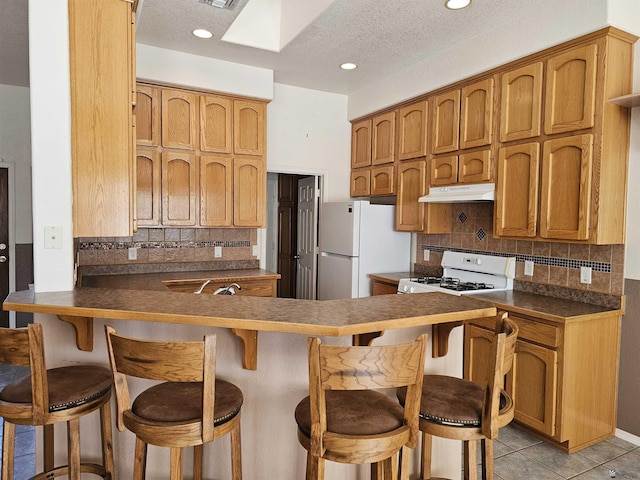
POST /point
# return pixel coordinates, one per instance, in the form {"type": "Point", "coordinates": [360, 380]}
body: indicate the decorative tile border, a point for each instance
{"type": "Point", "coordinates": [549, 261]}
{"type": "Point", "coordinates": [182, 244]}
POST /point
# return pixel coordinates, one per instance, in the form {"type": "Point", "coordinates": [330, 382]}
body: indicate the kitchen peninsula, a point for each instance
{"type": "Point", "coordinates": [271, 394]}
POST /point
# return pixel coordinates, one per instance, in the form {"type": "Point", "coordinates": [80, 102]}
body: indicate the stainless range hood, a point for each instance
{"type": "Point", "coordinates": [460, 193]}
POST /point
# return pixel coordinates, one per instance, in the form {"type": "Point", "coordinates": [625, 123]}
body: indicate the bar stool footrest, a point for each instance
{"type": "Point", "coordinates": [92, 468]}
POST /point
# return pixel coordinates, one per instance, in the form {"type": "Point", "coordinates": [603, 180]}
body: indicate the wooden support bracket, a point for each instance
{"type": "Point", "coordinates": [249, 347]}
{"type": "Point", "coordinates": [365, 339]}
{"type": "Point", "coordinates": [440, 338]}
{"type": "Point", "coordinates": [84, 331]}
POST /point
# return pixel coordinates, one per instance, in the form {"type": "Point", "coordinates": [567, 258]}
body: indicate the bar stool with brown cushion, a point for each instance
{"type": "Point", "coordinates": [463, 410]}
{"type": "Point", "coordinates": [344, 419]}
{"type": "Point", "coordinates": [189, 408]}
{"type": "Point", "coordinates": [46, 397]}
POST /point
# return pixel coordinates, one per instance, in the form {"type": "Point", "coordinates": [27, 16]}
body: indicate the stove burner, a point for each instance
{"type": "Point", "coordinates": [454, 284]}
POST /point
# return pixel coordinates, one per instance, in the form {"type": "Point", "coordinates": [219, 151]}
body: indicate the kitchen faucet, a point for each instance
{"type": "Point", "coordinates": [199, 291]}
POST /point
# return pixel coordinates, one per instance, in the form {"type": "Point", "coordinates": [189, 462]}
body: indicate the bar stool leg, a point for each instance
{"type": "Point", "coordinates": [471, 460]}
{"type": "Point", "coordinates": [377, 471]}
{"type": "Point", "coordinates": [197, 462]}
{"type": "Point", "coordinates": [425, 463]}
{"type": "Point", "coordinates": [236, 453]}
{"type": "Point", "coordinates": [176, 463]}
{"type": "Point", "coordinates": [8, 450]}
{"type": "Point", "coordinates": [405, 454]}
{"type": "Point", "coordinates": [140, 460]}
{"type": "Point", "coordinates": [487, 459]}
{"type": "Point", "coordinates": [107, 440]}
{"type": "Point", "coordinates": [49, 447]}
{"type": "Point", "coordinates": [73, 446]}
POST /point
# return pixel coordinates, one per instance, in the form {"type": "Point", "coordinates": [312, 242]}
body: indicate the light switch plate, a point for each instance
{"type": "Point", "coordinates": [528, 268]}
{"type": "Point", "coordinates": [217, 252]}
{"type": "Point", "coordinates": [52, 236]}
{"type": "Point", "coordinates": [256, 251]}
{"type": "Point", "coordinates": [425, 255]}
{"type": "Point", "coordinates": [585, 275]}
{"type": "Point", "coordinates": [133, 253]}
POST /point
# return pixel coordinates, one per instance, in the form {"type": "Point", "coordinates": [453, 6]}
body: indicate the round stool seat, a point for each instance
{"type": "Point", "coordinates": [182, 402]}
{"type": "Point", "coordinates": [69, 387]}
{"type": "Point", "coordinates": [354, 412]}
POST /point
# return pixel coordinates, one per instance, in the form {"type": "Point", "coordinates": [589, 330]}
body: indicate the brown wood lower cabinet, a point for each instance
{"type": "Point", "coordinates": [565, 376]}
{"type": "Point", "coordinates": [384, 288]}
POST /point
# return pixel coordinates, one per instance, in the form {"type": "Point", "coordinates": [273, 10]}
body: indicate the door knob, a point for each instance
{"type": "Point", "coordinates": [3, 246]}
{"type": "Point", "coordinates": [3, 259]}
{"type": "Point", "coordinates": [296, 257]}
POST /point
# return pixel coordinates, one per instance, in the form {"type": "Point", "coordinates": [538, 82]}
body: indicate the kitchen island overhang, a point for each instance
{"type": "Point", "coordinates": [246, 315]}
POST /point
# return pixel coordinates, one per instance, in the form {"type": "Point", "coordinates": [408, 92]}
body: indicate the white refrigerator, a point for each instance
{"type": "Point", "coordinates": [356, 239]}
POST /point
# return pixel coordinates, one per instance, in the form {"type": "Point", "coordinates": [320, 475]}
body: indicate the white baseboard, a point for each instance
{"type": "Point", "coordinates": [629, 437]}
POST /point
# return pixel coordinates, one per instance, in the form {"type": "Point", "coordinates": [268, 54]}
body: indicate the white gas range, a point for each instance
{"type": "Point", "coordinates": [465, 274]}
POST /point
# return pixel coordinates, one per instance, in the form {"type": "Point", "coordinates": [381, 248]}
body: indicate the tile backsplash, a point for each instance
{"type": "Point", "coordinates": [169, 248]}
{"type": "Point", "coordinates": [555, 264]}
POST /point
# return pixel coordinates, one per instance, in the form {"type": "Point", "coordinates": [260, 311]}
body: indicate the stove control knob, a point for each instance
{"type": "Point", "coordinates": [412, 290]}
{"type": "Point", "coordinates": [405, 288]}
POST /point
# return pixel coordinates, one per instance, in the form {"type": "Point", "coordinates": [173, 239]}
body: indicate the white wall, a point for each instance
{"type": "Point", "coordinates": [15, 148]}
{"type": "Point", "coordinates": [50, 141]}
{"type": "Point", "coordinates": [308, 132]}
{"type": "Point", "coordinates": [542, 24]}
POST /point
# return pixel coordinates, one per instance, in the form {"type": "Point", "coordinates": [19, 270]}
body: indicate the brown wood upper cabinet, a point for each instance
{"type": "Point", "coordinates": [216, 191]}
{"type": "Point", "coordinates": [361, 144]}
{"type": "Point", "coordinates": [147, 115]}
{"type": "Point", "coordinates": [571, 90]}
{"type": "Point", "coordinates": [179, 119]}
{"type": "Point", "coordinates": [179, 188]}
{"type": "Point", "coordinates": [521, 104]}
{"type": "Point", "coordinates": [473, 167]}
{"type": "Point", "coordinates": [248, 127]}
{"type": "Point", "coordinates": [412, 131]}
{"type": "Point", "coordinates": [249, 191]}
{"type": "Point", "coordinates": [102, 59]}
{"type": "Point", "coordinates": [383, 147]}
{"type": "Point", "coordinates": [216, 123]}
{"type": "Point", "coordinates": [463, 118]}
{"type": "Point", "coordinates": [148, 186]}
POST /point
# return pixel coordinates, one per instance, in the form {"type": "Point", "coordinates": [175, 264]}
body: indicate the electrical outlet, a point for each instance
{"type": "Point", "coordinates": [256, 251]}
{"type": "Point", "coordinates": [528, 268]}
{"type": "Point", "coordinates": [133, 253]}
{"type": "Point", "coordinates": [52, 237]}
{"type": "Point", "coordinates": [585, 275]}
{"type": "Point", "coordinates": [425, 255]}
{"type": "Point", "coordinates": [217, 252]}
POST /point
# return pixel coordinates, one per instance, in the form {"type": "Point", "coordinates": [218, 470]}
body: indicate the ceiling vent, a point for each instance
{"type": "Point", "coordinates": [228, 4]}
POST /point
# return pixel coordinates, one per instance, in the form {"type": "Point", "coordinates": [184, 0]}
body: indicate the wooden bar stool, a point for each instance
{"type": "Point", "coordinates": [46, 397]}
{"type": "Point", "coordinates": [344, 419]}
{"type": "Point", "coordinates": [463, 410]}
{"type": "Point", "coordinates": [189, 408]}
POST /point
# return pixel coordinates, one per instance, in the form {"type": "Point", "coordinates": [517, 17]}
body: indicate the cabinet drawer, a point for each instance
{"type": "Point", "coordinates": [530, 330]}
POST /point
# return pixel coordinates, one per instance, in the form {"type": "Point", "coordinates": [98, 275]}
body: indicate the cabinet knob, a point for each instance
{"type": "Point", "coordinates": [3, 259]}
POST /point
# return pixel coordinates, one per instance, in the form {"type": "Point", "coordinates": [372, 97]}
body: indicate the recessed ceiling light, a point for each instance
{"type": "Point", "coordinates": [456, 4]}
{"type": "Point", "coordinates": [202, 33]}
{"type": "Point", "coordinates": [348, 66]}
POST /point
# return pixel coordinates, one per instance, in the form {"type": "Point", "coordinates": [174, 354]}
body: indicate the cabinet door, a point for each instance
{"type": "Point", "coordinates": [475, 167]}
{"type": "Point", "coordinates": [249, 192]}
{"type": "Point", "coordinates": [477, 350]}
{"type": "Point", "coordinates": [216, 114]}
{"type": "Point", "coordinates": [412, 184]}
{"type": "Point", "coordinates": [383, 181]}
{"type": "Point", "coordinates": [566, 188]}
{"type": "Point", "coordinates": [101, 60]}
{"type": "Point", "coordinates": [179, 119]}
{"type": "Point", "coordinates": [179, 181]}
{"type": "Point", "coordinates": [532, 385]}
{"type": "Point", "coordinates": [216, 191]}
{"type": "Point", "coordinates": [516, 212]}
{"type": "Point", "coordinates": [446, 122]}
{"type": "Point", "coordinates": [384, 139]}
{"type": "Point", "coordinates": [148, 186]}
{"type": "Point", "coordinates": [521, 103]}
{"type": "Point", "coordinates": [476, 119]}
{"type": "Point", "coordinates": [147, 115]}
{"type": "Point", "coordinates": [412, 131]}
{"type": "Point", "coordinates": [444, 171]}
{"type": "Point", "coordinates": [570, 90]}
{"type": "Point", "coordinates": [361, 182]}
{"type": "Point", "coordinates": [248, 127]}
{"type": "Point", "coordinates": [361, 144]}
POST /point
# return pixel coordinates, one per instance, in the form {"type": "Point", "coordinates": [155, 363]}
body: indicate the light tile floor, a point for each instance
{"type": "Point", "coordinates": [518, 455]}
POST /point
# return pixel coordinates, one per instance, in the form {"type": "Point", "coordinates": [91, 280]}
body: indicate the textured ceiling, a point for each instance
{"type": "Point", "coordinates": [382, 37]}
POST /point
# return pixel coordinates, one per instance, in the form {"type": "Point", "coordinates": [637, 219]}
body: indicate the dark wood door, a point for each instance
{"type": "Point", "coordinates": [4, 242]}
{"type": "Point", "coordinates": [287, 234]}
